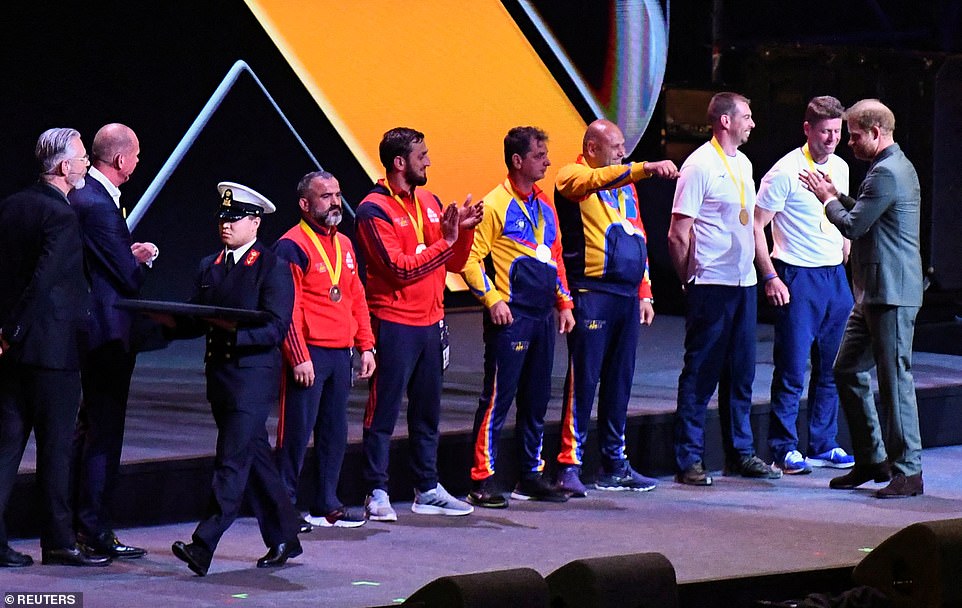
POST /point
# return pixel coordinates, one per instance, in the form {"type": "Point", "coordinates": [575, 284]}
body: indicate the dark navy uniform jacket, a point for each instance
{"type": "Point", "coordinates": [236, 359]}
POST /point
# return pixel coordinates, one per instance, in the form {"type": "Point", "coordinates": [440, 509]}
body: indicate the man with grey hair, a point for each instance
{"type": "Point", "coordinates": [117, 267]}
{"type": "Point", "coordinates": [883, 224]}
{"type": "Point", "coordinates": [330, 320]}
{"type": "Point", "coordinates": [44, 305]}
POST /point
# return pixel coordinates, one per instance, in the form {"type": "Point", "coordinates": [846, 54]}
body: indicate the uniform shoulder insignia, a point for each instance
{"type": "Point", "coordinates": [252, 257]}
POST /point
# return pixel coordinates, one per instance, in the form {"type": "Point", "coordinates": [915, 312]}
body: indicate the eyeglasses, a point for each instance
{"type": "Point", "coordinates": [85, 158]}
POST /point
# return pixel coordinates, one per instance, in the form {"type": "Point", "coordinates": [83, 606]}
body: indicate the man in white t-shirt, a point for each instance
{"type": "Point", "coordinates": [804, 279]}
{"type": "Point", "coordinates": [712, 246]}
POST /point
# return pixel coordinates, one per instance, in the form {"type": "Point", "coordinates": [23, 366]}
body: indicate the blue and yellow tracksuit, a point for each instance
{"type": "Point", "coordinates": [517, 357]}
{"type": "Point", "coordinates": [606, 254]}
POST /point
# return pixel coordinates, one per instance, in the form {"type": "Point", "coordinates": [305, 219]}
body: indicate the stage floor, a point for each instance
{"type": "Point", "coordinates": [736, 528]}
{"type": "Point", "coordinates": [168, 416]}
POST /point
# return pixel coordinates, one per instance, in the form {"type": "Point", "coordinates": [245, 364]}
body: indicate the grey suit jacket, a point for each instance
{"type": "Point", "coordinates": [883, 225]}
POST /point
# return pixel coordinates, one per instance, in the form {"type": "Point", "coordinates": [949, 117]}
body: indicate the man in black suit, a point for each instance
{"type": "Point", "coordinates": [243, 380]}
{"type": "Point", "coordinates": [117, 267]}
{"type": "Point", "coordinates": [44, 304]}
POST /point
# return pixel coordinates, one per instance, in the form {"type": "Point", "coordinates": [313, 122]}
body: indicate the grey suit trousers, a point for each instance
{"type": "Point", "coordinates": [880, 336]}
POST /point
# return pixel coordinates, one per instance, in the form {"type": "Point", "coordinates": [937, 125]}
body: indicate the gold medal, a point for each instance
{"type": "Point", "coordinates": [335, 293]}
{"type": "Point", "coordinates": [743, 217]}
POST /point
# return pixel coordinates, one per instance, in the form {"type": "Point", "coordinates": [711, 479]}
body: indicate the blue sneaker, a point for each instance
{"type": "Point", "coordinates": [794, 464]}
{"type": "Point", "coordinates": [626, 480]}
{"type": "Point", "coordinates": [836, 458]}
{"type": "Point", "coordinates": [569, 480]}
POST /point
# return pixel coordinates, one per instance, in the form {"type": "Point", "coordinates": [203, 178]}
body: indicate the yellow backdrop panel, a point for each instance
{"type": "Point", "coordinates": [461, 72]}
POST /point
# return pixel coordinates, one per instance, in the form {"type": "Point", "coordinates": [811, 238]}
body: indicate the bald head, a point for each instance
{"type": "Point", "coordinates": [603, 144]}
{"type": "Point", "coordinates": [115, 151]}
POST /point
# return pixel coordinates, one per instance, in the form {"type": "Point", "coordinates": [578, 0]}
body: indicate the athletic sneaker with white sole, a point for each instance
{"type": "Point", "coordinates": [794, 464]}
{"type": "Point", "coordinates": [378, 507]}
{"type": "Point", "coordinates": [341, 517]}
{"type": "Point", "coordinates": [439, 502]}
{"type": "Point", "coordinates": [836, 458]}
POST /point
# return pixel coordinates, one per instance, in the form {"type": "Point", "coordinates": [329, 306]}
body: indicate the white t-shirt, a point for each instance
{"type": "Point", "coordinates": [724, 249]}
{"type": "Point", "coordinates": [802, 235]}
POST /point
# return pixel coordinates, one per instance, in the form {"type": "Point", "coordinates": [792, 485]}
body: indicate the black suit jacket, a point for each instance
{"type": "Point", "coordinates": [114, 271]}
{"type": "Point", "coordinates": [44, 291]}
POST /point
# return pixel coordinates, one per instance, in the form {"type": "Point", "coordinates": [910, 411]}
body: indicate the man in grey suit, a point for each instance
{"type": "Point", "coordinates": [883, 225]}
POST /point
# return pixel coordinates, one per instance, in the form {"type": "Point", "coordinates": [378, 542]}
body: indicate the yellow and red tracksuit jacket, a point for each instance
{"type": "Point", "coordinates": [404, 286]}
{"type": "Point", "coordinates": [507, 235]}
{"type": "Point", "coordinates": [599, 254]}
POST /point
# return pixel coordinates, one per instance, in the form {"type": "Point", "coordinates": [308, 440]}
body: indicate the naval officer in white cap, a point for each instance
{"type": "Point", "coordinates": [243, 379]}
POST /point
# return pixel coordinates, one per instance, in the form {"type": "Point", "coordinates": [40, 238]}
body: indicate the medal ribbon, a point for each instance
{"type": "Point", "coordinates": [536, 226]}
{"type": "Point", "coordinates": [619, 214]}
{"type": "Point", "coordinates": [416, 222]}
{"type": "Point", "coordinates": [739, 182]}
{"type": "Point", "coordinates": [811, 164]}
{"type": "Point", "coordinates": [335, 272]}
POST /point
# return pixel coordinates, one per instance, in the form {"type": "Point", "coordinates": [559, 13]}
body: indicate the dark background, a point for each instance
{"type": "Point", "coordinates": [153, 66]}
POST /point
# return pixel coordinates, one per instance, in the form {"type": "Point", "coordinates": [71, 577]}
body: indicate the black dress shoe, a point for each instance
{"type": "Point", "coordinates": [195, 556]}
{"type": "Point", "coordinates": [108, 544]}
{"type": "Point", "coordinates": [305, 528]}
{"type": "Point", "coordinates": [902, 486]}
{"type": "Point", "coordinates": [862, 473]}
{"type": "Point", "coordinates": [73, 556]}
{"type": "Point", "coordinates": [278, 555]}
{"type": "Point", "coordinates": [13, 559]}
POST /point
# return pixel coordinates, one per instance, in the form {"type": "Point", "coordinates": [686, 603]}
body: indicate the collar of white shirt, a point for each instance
{"type": "Point", "coordinates": [112, 190]}
{"type": "Point", "coordinates": [240, 252]}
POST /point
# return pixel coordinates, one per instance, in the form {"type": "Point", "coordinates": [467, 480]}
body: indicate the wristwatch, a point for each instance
{"type": "Point", "coordinates": [648, 300]}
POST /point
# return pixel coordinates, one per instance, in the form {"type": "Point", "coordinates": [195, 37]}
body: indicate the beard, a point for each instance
{"type": "Point", "coordinates": [78, 184]}
{"type": "Point", "coordinates": [413, 178]}
{"type": "Point", "coordinates": [333, 217]}
{"type": "Point", "coordinates": [330, 218]}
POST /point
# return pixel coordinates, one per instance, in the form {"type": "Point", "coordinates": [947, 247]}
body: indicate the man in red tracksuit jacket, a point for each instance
{"type": "Point", "coordinates": [330, 318]}
{"type": "Point", "coordinates": [409, 243]}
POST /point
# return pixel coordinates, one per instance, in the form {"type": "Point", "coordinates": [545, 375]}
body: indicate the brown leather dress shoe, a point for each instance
{"type": "Point", "coordinates": [278, 556]}
{"type": "Point", "coordinates": [862, 473]}
{"type": "Point", "coordinates": [902, 486]}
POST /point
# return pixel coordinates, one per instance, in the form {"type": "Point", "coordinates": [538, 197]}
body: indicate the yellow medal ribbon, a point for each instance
{"type": "Point", "coordinates": [537, 226]}
{"type": "Point", "coordinates": [739, 182]}
{"type": "Point", "coordinates": [416, 222]}
{"type": "Point", "coordinates": [811, 163]}
{"type": "Point", "coordinates": [335, 272]}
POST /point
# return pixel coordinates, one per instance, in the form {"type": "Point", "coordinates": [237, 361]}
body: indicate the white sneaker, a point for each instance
{"type": "Point", "coordinates": [378, 507]}
{"type": "Point", "coordinates": [439, 502]}
{"type": "Point", "coordinates": [342, 517]}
